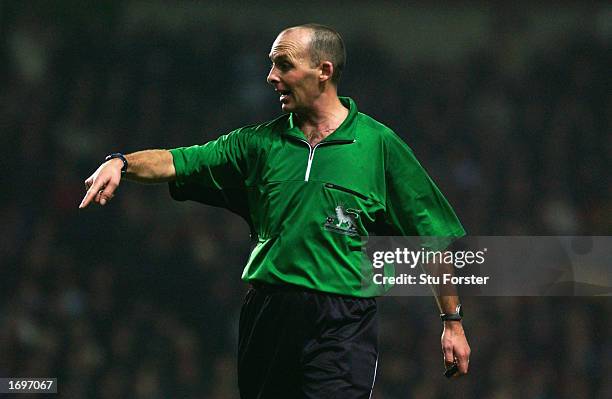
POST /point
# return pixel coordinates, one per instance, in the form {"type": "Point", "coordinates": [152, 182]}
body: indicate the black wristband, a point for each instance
{"type": "Point", "coordinates": [457, 316]}
{"type": "Point", "coordinates": [120, 156]}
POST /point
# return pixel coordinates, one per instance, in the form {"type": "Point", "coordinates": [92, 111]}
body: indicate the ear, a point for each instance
{"type": "Point", "coordinates": [327, 70]}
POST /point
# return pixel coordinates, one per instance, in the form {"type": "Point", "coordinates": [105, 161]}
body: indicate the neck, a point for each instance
{"type": "Point", "coordinates": [325, 116]}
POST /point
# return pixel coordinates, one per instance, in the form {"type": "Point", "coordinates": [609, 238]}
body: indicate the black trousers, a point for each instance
{"type": "Point", "coordinates": [296, 343]}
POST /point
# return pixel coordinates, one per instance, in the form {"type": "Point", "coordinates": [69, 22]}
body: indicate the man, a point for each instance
{"type": "Point", "coordinates": [310, 184]}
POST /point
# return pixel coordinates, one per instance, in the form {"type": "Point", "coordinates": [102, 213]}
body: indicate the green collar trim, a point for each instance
{"type": "Point", "coordinates": [345, 132]}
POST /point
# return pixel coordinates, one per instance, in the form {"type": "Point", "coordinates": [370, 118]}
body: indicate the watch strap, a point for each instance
{"type": "Point", "coordinates": [120, 156]}
{"type": "Point", "coordinates": [457, 316]}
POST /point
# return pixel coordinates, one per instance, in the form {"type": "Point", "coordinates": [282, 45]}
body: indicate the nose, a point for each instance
{"type": "Point", "coordinates": [272, 76]}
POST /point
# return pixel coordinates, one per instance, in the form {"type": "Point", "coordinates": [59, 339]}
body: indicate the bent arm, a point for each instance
{"type": "Point", "coordinates": [149, 166]}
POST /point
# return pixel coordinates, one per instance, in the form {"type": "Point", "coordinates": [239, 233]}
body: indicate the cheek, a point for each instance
{"type": "Point", "coordinates": [312, 81]}
{"type": "Point", "coordinates": [308, 84]}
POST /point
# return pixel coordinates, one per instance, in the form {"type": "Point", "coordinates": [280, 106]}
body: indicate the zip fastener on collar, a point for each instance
{"type": "Point", "coordinates": [311, 151]}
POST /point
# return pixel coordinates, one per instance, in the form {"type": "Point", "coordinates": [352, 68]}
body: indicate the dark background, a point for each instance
{"type": "Point", "coordinates": [507, 107]}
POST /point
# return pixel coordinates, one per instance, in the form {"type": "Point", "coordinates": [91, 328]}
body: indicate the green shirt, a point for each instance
{"type": "Point", "coordinates": [309, 207]}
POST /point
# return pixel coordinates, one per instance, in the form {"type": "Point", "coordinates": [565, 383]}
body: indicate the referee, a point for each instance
{"type": "Point", "coordinates": [310, 184]}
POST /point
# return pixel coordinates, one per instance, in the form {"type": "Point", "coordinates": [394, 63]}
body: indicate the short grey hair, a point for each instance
{"type": "Point", "coordinates": [326, 44]}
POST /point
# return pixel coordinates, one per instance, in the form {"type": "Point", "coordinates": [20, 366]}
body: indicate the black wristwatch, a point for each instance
{"type": "Point", "coordinates": [458, 315]}
{"type": "Point", "coordinates": [120, 156]}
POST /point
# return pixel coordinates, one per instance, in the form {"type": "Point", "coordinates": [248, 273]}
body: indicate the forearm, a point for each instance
{"type": "Point", "coordinates": [150, 166]}
{"type": "Point", "coordinates": [448, 305]}
{"type": "Point", "coordinates": [445, 294]}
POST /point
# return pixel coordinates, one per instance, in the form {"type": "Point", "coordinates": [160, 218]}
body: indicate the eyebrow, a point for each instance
{"type": "Point", "coordinates": [280, 57]}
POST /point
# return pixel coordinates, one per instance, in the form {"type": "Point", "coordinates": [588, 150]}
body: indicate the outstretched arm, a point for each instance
{"type": "Point", "coordinates": [149, 166]}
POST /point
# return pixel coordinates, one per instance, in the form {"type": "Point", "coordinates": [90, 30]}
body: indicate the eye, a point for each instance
{"type": "Point", "coordinates": [285, 66]}
{"type": "Point", "coordinates": [282, 64]}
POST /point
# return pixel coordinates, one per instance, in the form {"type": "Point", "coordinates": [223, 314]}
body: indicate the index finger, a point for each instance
{"type": "Point", "coordinates": [91, 193]}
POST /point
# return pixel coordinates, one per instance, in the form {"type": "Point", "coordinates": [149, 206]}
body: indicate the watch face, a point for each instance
{"type": "Point", "coordinates": [460, 310]}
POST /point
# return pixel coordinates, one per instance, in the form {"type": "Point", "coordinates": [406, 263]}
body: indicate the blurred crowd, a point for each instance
{"type": "Point", "coordinates": [140, 299]}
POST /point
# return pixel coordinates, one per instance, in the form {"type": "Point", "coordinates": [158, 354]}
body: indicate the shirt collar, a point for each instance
{"type": "Point", "coordinates": [344, 132]}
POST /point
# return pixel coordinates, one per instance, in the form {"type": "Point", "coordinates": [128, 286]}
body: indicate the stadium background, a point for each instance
{"type": "Point", "coordinates": [508, 107]}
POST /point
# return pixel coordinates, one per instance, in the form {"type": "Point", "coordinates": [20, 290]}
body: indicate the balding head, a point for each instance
{"type": "Point", "coordinates": [325, 44]}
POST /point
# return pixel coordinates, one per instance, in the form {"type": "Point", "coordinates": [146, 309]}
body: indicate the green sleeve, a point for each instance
{"type": "Point", "coordinates": [213, 173]}
{"type": "Point", "coordinates": [414, 205]}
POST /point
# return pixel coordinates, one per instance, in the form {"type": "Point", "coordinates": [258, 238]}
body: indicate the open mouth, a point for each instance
{"type": "Point", "coordinates": [284, 94]}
